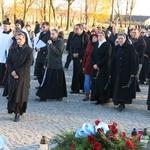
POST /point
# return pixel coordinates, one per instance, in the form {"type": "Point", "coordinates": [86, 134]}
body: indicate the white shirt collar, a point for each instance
{"type": "Point", "coordinates": [101, 42]}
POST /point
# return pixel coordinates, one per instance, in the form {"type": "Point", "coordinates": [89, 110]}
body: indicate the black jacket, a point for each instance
{"type": "Point", "coordinates": [54, 56]}
{"type": "Point", "coordinates": [69, 41]}
{"type": "Point", "coordinates": [140, 46]}
{"type": "Point", "coordinates": [124, 64]}
{"type": "Point", "coordinates": [43, 51]}
{"type": "Point", "coordinates": [79, 44]}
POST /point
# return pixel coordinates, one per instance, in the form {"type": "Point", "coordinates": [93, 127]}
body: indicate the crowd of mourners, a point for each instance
{"type": "Point", "coordinates": [108, 64]}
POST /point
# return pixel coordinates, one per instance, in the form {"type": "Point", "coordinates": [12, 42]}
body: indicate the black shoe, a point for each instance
{"type": "Point", "coordinates": [121, 107]}
{"type": "Point", "coordinates": [35, 78]}
{"type": "Point", "coordinates": [97, 103]}
{"type": "Point", "coordinates": [17, 118]}
{"type": "Point", "coordinates": [74, 92]}
{"type": "Point", "coordinates": [86, 98]}
{"type": "Point", "coordinates": [37, 87]}
{"type": "Point", "coordinates": [60, 99]}
{"type": "Point", "coordinates": [21, 114]}
{"type": "Point", "coordinates": [40, 100]}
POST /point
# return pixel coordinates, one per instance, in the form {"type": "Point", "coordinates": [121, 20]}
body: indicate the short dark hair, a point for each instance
{"type": "Point", "coordinates": [80, 26]}
{"type": "Point", "coordinates": [55, 30]}
{"type": "Point", "coordinates": [45, 23]}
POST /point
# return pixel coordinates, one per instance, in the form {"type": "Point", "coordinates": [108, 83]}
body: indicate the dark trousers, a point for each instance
{"type": "Point", "coordinates": [78, 76]}
{"type": "Point", "coordinates": [144, 70]}
{"type": "Point", "coordinates": [2, 73]}
{"type": "Point", "coordinates": [40, 71]}
{"type": "Point", "coordinates": [68, 60]}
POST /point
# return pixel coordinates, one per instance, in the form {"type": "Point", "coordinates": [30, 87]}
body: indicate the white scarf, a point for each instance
{"type": "Point", "coordinates": [101, 42]}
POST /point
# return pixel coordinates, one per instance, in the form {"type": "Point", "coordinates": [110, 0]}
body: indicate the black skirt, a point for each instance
{"type": "Point", "coordinates": [54, 85]}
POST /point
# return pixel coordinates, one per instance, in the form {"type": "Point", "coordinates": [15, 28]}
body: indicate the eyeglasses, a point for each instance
{"type": "Point", "coordinates": [143, 32]}
{"type": "Point", "coordinates": [77, 28]}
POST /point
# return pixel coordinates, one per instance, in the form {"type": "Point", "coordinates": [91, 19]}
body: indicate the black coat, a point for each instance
{"type": "Point", "coordinates": [69, 41]}
{"type": "Point", "coordinates": [54, 56]}
{"type": "Point", "coordinates": [102, 57]}
{"type": "Point", "coordinates": [79, 44]}
{"type": "Point", "coordinates": [140, 46]}
{"type": "Point", "coordinates": [43, 51]}
{"type": "Point", "coordinates": [124, 64]}
{"type": "Point", "coordinates": [19, 60]}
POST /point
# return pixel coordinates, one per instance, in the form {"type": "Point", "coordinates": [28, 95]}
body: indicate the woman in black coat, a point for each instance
{"type": "Point", "coordinates": [100, 59]}
{"type": "Point", "coordinates": [19, 60]}
{"type": "Point", "coordinates": [124, 68]}
{"type": "Point", "coordinates": [54, 84]}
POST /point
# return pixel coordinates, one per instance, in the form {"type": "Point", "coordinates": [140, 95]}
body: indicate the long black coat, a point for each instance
{"type": "Point", "coordinates": [19, 60]}
{"type": "Point", "coordinates": [102, 57]}
{"type": "Point", "coordinates": [124, 64]}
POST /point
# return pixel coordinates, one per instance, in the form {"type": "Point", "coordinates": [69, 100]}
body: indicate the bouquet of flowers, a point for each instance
{"type": "Point", "coordinates": [99, 136]}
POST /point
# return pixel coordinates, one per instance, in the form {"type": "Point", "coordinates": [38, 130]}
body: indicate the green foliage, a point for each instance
{"type": "Point", "coordinates": [66, 139]}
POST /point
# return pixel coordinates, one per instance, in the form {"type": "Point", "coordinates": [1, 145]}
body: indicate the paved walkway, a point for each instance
{"type": "Point", "coordinates": [51, 117]}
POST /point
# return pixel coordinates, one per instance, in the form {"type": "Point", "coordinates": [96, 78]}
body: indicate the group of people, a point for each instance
{"type": "Point", "coordinates": [107, 63]}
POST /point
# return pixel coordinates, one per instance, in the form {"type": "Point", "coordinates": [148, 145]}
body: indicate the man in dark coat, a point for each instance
{"type": "Point", "coordinates": [146, 61]}
{"type": "Point", "coordinates": [123, 70]}
{"type": "Point", "coordinates": [111, 24]}
{"type": "Point", "coordinates": [79, 43]}
{"type": "Point", "coordinates": [42, 52]}
{"type": "Point", "coordinates": [114, 34]}
{"type": "Point", "coordinates": [140, 46]}
{"type": "Point", "coordinates": [68, 48]}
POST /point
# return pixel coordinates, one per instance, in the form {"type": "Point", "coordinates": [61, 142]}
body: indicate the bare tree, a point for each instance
{"type": "Point", "coordinates": [132, 5]}
{"type": "Point", "coordinates": [54, 12]}
{"type": "Point", "coordinates": [2, 2]}
{"type": "Point", "coordinates": [119, 4]}
{"type": "Point", "coordinates": [15, 6]}
{"type": "Point", "coordinates": [86, 11]}
{"type": "Point", "coordinates": [27, 4]}
{"type": "Point", "coordinates": [68, 13]}
{"type": "Point", "coordinates": [44, 9]}
{"type": "Point", "coordinates": [127, 8]}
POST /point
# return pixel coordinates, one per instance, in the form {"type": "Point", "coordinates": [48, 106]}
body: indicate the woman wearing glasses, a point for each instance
{"type": "Point", "coordinates": [124, 68]}
{"type": "Point", "coordinates": [19, 60]}
{"type": "Point", "coordinates": [100, 58]}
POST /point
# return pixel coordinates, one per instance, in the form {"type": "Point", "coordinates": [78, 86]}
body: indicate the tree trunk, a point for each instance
{"type": "Point", "coordinates": [86, 13]}
{"type": "Point", "coordinates": [24, 11]}
{"type": "Point", "coordinates": [50, 13]}
{"type": "Point", "coordinates": [54, 13]}
{"type": "Point", "coordinates": [127, 5]}
{"type": "Point", "coordinates": [68, 17]}
{"type": "Point", "coordinates": [112, 11]}
{"type": "Point", "coordinates": [44, 10]}
{"type": "Point", "coordinates": [15, 6]}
